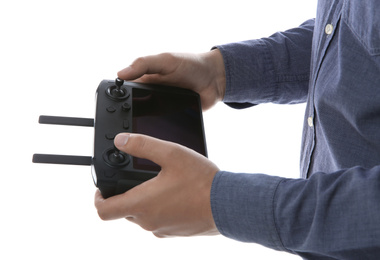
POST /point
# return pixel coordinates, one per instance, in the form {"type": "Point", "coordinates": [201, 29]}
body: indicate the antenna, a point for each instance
{"type": "Point", "coordinates": [60, 120]}
{"type": "Point", "coordinates": [62, 159]}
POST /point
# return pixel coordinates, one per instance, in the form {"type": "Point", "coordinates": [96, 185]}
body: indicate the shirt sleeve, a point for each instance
{"type": "Point", "coordinates": [272, 69]}
{"type": "Point", "coordinates": [328, 216]}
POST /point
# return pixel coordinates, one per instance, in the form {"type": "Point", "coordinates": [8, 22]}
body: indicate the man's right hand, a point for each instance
{"type": "Point", "coordinates": [203, 73]}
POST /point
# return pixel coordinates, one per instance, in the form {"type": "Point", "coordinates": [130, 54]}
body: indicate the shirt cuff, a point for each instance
{"type": "Point", "coordinates": [243, 207]}
{"type": "Point", "coordinates": [249, 73]}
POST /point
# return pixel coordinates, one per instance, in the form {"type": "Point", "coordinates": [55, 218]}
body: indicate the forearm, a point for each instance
{"type": "Point", "coordinates": [333, 215]}
{"type": "Point", "coordinates": [274, 69]}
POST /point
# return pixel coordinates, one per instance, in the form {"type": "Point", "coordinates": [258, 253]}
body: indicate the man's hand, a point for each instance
{"type": "Point", "coordinates": [203, 73]}
{"type": "Point", "coordinates": [176, 202]}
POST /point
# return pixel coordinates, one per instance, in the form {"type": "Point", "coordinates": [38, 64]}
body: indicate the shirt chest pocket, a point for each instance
{"type": "Point", "coordinates": [363, 18]}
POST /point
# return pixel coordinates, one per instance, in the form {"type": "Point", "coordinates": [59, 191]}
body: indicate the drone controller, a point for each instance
{"type": "Point", "coordinates": [168, 113]}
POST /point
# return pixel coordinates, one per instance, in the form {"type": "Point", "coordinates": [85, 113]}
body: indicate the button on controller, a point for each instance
{"type": "Point", "coordinates": [126, 106]}
{"type": "Point", "coordinates": [117, 92]}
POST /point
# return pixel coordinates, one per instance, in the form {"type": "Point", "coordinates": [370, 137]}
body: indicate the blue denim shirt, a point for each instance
{"type": "Point", "coordinates": [333, 64]}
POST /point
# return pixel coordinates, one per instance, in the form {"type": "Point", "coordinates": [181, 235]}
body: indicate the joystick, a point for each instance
{"type": "Point", "coordinates": [163, 112]}
{"type": "Point", "coordinates": [115, 158]}
{"type": "Point", "coordinates": [117, 91]}
{"type": "Point", "coordinates": [119, 82]}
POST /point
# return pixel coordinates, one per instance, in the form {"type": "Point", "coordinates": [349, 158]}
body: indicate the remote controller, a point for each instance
{"type": "Point", "coordinates": [168, 113]}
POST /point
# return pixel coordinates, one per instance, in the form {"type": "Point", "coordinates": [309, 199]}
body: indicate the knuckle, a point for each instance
{"type": "Point", "coordinates": [158, 235]}
{"type": "Point", "coordinates": [139, 144]}
{"type": "Point", "coordinates": [144, 223]}
{"type": "Point", "coordinates": [169, 56]}
{"type": "Point", "coordinates": [149, 227]}
{"type": "Point", "coordinates": [102, 215]}
{"type": "Point", "coordinates": [139, 62]}
{"type": "Point", "coordinates": [175, 151]}
{"type": "Point", "coordinates": [172, 58]}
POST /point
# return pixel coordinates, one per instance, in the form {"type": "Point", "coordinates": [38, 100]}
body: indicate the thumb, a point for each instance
{"type": "Point", "coordinates": [146, 147]}
{"type": "Point", "coordinates": [153, 64]}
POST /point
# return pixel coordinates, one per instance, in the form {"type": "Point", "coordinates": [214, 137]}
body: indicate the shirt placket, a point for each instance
{"type": "Point", "coordinates": [324, 32]}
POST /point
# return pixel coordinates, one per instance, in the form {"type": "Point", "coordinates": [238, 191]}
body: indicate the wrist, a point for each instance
{"type": "Point", "coordinates": [216, 63]}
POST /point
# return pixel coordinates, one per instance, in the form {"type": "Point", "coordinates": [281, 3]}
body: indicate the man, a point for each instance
{"type": "Point", "coordinates": [332, 63]}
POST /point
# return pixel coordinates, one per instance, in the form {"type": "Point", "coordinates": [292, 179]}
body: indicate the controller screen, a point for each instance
{"type": "Point", "coordinates": [169, 116]}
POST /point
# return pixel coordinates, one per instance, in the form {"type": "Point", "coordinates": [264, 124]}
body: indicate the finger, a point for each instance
{"type": "Point", "coordinates": [154, 64]}
{"type": "Point", "coordinates": [112, 208]}
{"type": "Point", "coordinates": [147, 147]}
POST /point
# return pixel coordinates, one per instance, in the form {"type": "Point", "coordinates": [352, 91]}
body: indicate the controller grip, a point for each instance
{"type": "Point", "coordinates": [121, 187]}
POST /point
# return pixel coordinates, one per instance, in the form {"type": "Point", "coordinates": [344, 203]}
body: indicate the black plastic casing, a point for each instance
{"type": "Point", "coordinates": [114, 115]}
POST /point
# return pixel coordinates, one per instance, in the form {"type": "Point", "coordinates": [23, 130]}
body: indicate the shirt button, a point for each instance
{"type": "Point", "coordinates": [310, 121]}
{"type": "Point", "coordinates": [329, 29]}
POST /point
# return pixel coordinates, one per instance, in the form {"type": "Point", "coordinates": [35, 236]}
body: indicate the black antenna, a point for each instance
{"type": "Point", "coordinates": [60, 120]}
{"type": "Point", "coordinates": [62, 159]}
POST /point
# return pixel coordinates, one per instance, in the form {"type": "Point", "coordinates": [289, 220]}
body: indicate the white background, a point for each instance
{"type": "Point", "coordinates": [54, 54]}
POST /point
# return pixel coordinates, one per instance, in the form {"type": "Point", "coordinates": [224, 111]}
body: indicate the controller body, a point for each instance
{"type": "Point", "coordinates": [159, 111]}
{"type": "Point", "coordinates": [163, 112]}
